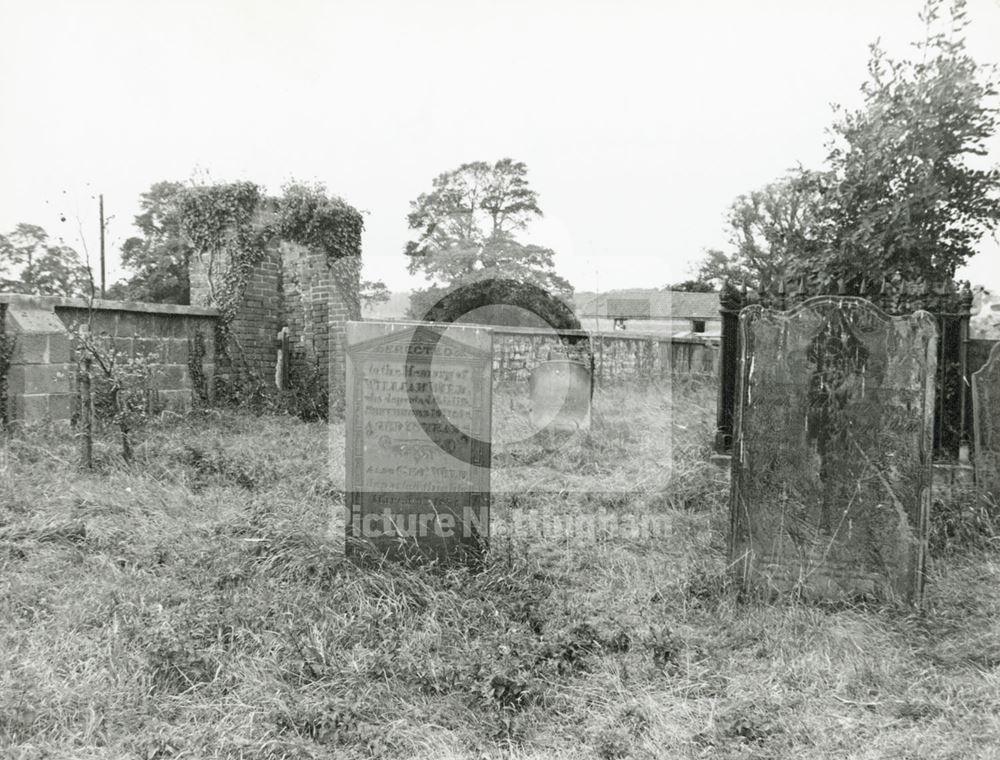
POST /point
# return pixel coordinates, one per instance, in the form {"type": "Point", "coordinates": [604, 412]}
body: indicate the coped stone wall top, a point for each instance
{"type": "Point", "coordinates": [508, 330]}
{"type": "Point", "coordinates": [50, 303]}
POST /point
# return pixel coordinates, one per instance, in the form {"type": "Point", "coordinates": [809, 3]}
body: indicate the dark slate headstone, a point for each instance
{"type": "Point", "coordinates": [986, 426]}
{"type": "Point", "coordinates": [560, 396]}
{"type": "Point", "coordinates": [831, 467]}
{"type": "Point", "coordinates": [418, 419]}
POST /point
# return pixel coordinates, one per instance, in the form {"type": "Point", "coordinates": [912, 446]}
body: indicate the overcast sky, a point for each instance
{"type": "Point", "coordinates": [640, 120]}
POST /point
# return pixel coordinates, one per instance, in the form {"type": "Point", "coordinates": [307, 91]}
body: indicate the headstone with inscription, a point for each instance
{"type": "Point", "coordinates": [986, 427]}
{"type": "Point", "coordinates": [418, 417]}
{"type": "Point", "coordinates": [831, 469]}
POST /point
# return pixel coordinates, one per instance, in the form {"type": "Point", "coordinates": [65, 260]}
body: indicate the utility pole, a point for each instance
{"type": "Point", "coordinates": [101, 206]}
{"type": "Point", "coordinates": [597, 300]}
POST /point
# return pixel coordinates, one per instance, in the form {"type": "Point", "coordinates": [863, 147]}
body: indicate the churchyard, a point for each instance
{"type": "Point", "coordinates": [197, 603]}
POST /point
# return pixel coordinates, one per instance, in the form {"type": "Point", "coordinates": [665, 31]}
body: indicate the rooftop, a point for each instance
{"type": "Point", "coordinates": [647, 304]}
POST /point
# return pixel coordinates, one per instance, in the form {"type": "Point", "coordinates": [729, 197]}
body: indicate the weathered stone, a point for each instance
{"type": "Point", "coordinates": [986, 428]}
{"type": "Point", "coordinates": [62, 406]}
{"type": "Point", "coordinates": [32, 379]}
{"type": "Point", "coordinates": [418, 439]}
{"type": "Point", "coordinates": [560, 396]}
{"type": "Point", "coordinates": [832, 456]}
{"type": "Point", "coordinates": [30, 409]}
{"type": "Point", "coordinates": [60, 350]}
{"type": "Point", "coordinates": [30, 349]}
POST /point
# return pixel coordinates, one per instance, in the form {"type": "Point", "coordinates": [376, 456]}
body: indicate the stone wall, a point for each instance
{"type": "Point", "coordinates": [616, 356]}
{"type": "Point", "coordinates": [41, 379]}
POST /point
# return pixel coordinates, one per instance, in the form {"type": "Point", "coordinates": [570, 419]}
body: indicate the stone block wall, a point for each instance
{"type": "Point", "coordinates": [517, 351]}
{"type": "Point", "coordinates": [41, 378]}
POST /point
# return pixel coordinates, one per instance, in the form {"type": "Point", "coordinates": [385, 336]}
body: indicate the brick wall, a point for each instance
{"type": "Point", "coordinates": [41, 380]}
{"type": "Point", "coordinates": [292, 287]}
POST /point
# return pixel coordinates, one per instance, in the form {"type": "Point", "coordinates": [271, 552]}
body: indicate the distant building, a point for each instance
{"type": "Point", "coordinates": [651, 312]}
{"type": "Point", "coordinates": [656, 312]}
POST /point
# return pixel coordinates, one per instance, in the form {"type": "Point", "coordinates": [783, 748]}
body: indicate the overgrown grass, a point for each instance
{"type": "Point", "coordinates": [195, 604]}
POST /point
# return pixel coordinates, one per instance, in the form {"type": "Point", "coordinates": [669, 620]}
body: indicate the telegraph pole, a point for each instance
{"type": "Point", "coordinates": [101, 208]}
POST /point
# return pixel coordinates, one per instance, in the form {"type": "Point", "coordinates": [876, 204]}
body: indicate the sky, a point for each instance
{"type": "Point", "coordinates": [640, 121]}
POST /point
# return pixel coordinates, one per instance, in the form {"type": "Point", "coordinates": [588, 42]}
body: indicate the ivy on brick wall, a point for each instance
{"type": "Point", "coordinates": [233, 224]}
{"type": "Point", "coordinates": [232, 227]}
{"type": "Point", "coordinates": [308, 216]}
{"type": "Point", "coordinates": [224, 225]}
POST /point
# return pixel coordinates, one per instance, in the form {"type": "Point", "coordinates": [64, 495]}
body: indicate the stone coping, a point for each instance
{"type": "Point", "coordinates": [707, 339]}
{"type": "Point", "coordinates": [51, 303]}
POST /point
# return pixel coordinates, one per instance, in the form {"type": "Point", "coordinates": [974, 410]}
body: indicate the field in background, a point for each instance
{"type": "Point", "coordinates": [196, 605]}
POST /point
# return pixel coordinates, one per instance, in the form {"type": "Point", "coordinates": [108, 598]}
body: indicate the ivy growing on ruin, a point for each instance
{"type": "Point", "coordinates": [219, 220]}
{"type": "Point", "coordinates": [308, 216]}
{"type": "Point", "coordinates": [234, 224]}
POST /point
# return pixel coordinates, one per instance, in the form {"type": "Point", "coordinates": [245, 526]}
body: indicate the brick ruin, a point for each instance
{"type": "Point", "coordinates": [291, 287]}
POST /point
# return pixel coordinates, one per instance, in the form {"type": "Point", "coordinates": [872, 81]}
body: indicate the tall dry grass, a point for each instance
{"type": "Point", "coordinates": [195, 605]}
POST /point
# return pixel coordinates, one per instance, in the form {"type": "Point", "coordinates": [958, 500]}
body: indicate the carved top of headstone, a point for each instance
{"type": "Point", "coordinates": [895, 293]}
{"type": "Point", "coordinates": [832, 450]}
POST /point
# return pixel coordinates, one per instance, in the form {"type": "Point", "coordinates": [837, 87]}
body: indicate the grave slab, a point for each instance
{"type": "Point", "coordinates": [418, 418]}
{"type": "Point", "coordinates": [986, 428]}
{"type": "Point", "coordinates": [831, 471]}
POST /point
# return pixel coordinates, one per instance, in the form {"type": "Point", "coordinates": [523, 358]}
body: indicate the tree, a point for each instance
{"type": "Point", "coordinates": [774, 227]}
{"type": "Point", "coordinates": [466, 231]}
{"type": "Point", "coordinates": [899, 193]}
{"type": "Point", "coordinates": [32, 263]}
{"type": "Point", "coordinates": [696, 285]}
{"type": "Point", "coordinates": [468, 206]}
{"type": "Point", "coordinates": [373, 292]}
{"type": "Point", "coordinates": [903, 194]}
{"type": "Point", "coordinates": [771, 229]}
{"type": "Point", "coordinates": [718, 267]}
{"type": "Point", "coordinates": [160, 258]}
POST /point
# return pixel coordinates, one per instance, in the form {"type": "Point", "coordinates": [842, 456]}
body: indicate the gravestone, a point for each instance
{"type": "Point", "coordinates": [418, 416]}
{"type": "Point", "coordinates": [831, 467]}
{"type": "Point", "coordinates": [561, 391]}
{"type": "Point", "coordinates": [986, 428]}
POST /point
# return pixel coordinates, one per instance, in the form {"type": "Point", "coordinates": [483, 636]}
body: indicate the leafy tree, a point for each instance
{"type": "Point", "coordinates": [904, 194]}
{"type": "Point", "coordinates": [466, 231]}
{"type": "Point", "coordinates": [468, 206]}
{"type": "Point", "coordinates": [774, 227]}
{"type": "Point", "coordinates": [32, 263]}
{"type": "Point", "coordinates": [372, 292]}
{"type": "Point", "coordinates": [771, 229]}
{"type": "Point", "coordinates": [900, 192]}
{"type": "Point", "coordinates": [160, 258]}
{"type": "Point", "coordinates": [696, 285]}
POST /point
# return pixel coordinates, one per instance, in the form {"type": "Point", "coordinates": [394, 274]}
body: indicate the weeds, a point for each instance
{"type": "Point", "coordinates": [197, 604]}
